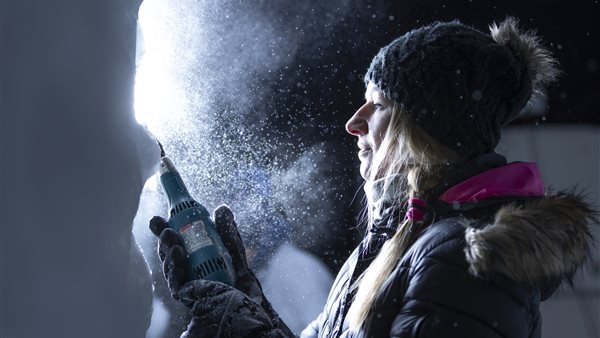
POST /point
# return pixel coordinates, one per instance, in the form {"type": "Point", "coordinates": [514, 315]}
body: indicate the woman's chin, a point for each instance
{"type": "Point", "coordinates": [364, 169]}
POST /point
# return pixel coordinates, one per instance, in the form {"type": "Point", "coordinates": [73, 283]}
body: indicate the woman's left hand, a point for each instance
{"type": "Point", "coordinates": [222, 311]}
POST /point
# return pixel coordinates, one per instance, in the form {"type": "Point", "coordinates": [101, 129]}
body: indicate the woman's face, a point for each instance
{"type": "Point", "coordinates": [369, 124]}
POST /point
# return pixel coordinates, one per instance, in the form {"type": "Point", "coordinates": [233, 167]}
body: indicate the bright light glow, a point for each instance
{"type": "Point", "coordinates": [158, 97]}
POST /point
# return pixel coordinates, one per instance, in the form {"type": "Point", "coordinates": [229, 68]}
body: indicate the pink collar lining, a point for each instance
{"type": "Point", "coordinates": [515, 179]}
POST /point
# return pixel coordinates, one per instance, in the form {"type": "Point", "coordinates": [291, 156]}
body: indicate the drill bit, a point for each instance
{"type": "Point", "coordinates": [162, 150]}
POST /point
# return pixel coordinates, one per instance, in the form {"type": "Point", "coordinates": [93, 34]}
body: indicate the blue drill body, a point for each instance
{"type": "Point", "coordinates": [207, 256]}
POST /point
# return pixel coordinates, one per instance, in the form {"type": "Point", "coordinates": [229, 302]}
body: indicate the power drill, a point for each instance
{"type": "Point", "coordinates": [207, 256]}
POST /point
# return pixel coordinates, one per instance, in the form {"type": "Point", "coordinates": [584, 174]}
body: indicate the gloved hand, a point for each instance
{"type": "Point", "coordinates": [219, 310]}
{"type": "Point", "coordinates": [222, 311]}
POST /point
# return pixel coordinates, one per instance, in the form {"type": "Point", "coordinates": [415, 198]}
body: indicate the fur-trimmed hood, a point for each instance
{"type": "Point", "coordinates": [536, 237]}
{"type": "Point", "coordinates": [544, 240]}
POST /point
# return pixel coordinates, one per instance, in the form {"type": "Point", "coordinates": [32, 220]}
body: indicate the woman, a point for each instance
{"type": "Point", "coordinates": [460, 243]}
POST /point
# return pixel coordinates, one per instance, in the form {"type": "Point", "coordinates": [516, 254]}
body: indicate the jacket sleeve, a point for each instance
{"type": "Point", "coordinates": [443, 299]}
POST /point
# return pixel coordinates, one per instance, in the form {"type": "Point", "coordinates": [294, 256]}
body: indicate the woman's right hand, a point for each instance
{"type": "Point", "coordinates": [211, 302]}
{"type": "Point", "coordinates": [172, 254]}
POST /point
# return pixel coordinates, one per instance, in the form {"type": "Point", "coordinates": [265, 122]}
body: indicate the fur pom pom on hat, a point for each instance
{"type": "Point", "coordinates": [461, 85]}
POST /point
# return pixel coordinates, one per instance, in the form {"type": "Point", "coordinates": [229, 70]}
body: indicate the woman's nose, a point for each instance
{"type": "Point", "coordinates": [357, 125]}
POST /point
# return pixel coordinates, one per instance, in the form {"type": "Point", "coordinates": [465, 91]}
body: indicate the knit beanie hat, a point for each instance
{"type": "Point", "coordinates": [461, 85]}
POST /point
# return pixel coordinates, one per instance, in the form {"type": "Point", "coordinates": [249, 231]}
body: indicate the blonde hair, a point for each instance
{"type": "Point", "coordinates": [407, 152]}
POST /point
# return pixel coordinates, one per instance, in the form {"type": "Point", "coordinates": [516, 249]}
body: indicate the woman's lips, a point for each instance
{"type": "Point", "coordinates": [364, 152]}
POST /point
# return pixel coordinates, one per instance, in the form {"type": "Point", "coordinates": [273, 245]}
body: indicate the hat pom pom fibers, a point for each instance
{"type": "Point", "coordinates": [541, 66]}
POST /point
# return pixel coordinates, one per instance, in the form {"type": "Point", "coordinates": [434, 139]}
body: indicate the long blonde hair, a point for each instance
{"type": "Point", "coordinates": [407, 152]}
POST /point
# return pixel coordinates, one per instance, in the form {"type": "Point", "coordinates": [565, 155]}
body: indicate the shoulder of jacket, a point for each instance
{"type": "Point", "coordinates": [441, 250]}
{"type": "Point", "coordinates": [444, 239]}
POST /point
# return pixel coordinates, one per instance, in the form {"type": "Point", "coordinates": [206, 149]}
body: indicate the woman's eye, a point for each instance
{"type": "Point", "coordinates": [378, 105]}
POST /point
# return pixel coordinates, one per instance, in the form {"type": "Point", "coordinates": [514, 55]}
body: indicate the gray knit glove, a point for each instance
{"type": "Point", "coordinates": [222, 311]}
{"type": "Point", "coordinates": [219, 310]}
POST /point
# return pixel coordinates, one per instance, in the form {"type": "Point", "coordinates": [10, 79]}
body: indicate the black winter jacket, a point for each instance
{"type": "Point", "coordinates": [481, 272]}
